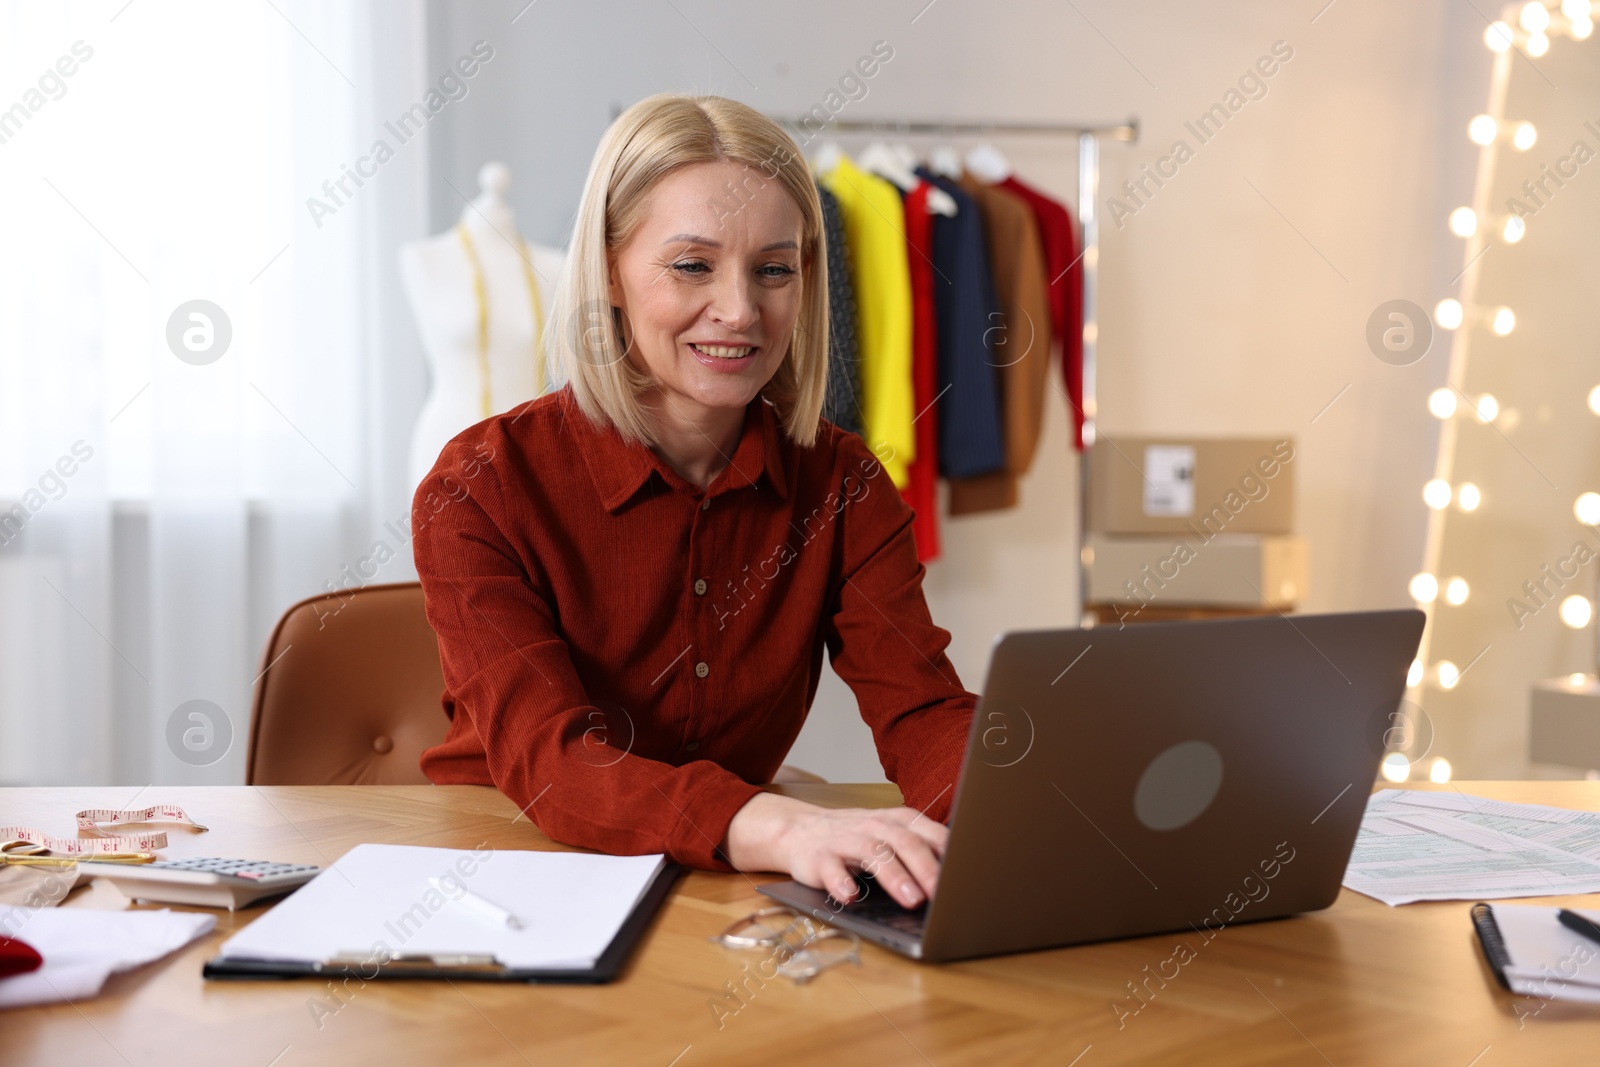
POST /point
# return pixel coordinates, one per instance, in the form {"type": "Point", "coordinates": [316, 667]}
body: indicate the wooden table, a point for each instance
{"type": "Point", "coordinates": [1360, 983]}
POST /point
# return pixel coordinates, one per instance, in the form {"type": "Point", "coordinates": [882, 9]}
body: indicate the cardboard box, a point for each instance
{"type": "Point", "coordinates": [1229, 570]}
{"type": "Point", "coordinates": [1565, 726]}
{"type": "Point", "coordinates": [1202, 486]}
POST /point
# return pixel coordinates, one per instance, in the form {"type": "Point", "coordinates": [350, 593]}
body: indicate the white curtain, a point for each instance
{"type": "Point", "coordinates": [160, 504]}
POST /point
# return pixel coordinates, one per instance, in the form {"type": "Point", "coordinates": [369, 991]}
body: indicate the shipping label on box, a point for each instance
{"type": "Point", "coordinates": [1169, 480]}
{"type": "Point", "coordinates": [1198, 487]}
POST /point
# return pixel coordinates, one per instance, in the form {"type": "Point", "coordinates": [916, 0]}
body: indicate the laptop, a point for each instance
{"type": "Point", "coordinates": [1168, 776]}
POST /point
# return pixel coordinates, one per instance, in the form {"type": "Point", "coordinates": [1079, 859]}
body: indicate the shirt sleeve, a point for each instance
{"type": "Point", "coordinates": [882, 641]}
{"type": "Point", "coordinates": [556, 755]}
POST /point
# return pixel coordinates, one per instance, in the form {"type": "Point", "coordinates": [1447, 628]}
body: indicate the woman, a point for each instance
{"type": "Point", "coordinates": [633, 577]}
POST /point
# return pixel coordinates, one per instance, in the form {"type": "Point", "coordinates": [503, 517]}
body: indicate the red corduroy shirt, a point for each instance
{"type": "Point", "coordinates": [626, 654]}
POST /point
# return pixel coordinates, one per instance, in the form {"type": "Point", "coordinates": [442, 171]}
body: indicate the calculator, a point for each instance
{"type": "Point", "coordinates": [210, 882]}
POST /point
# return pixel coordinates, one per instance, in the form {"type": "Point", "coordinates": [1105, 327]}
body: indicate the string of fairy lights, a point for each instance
{"type": "Point", "coordinates": [1535, 25]}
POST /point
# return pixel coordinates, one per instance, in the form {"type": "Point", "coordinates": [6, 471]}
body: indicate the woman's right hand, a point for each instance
{"type": "Point", "coordinates": [821, 847]}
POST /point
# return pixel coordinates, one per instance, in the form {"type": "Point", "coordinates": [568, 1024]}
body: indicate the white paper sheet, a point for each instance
{"type": "Point", "coordinates": [1416, 845]}
{"type": "Point", "coordinates": [572, 905]}
{"type": "Point", "coordinates": [82, 948]}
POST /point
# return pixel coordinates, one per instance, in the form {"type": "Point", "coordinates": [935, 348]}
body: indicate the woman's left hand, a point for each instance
{"type": "Point", "coordinates": [899, 847]}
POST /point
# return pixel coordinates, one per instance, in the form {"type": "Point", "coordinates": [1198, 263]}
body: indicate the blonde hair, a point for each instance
{"type": "Point", "coordinates": [647, 142]}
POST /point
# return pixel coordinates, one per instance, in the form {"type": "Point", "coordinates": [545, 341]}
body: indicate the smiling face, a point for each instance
{"type": "Point", "coordinates": [710, 285]}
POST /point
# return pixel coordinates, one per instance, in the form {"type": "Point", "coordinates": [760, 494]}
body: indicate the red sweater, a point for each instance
{"type": "Point", "coordinates": [1064, 264]}
{"type": "Point", "coordinates": [922, 474]}
{"type": "Point", "coordinates": [626, 655]}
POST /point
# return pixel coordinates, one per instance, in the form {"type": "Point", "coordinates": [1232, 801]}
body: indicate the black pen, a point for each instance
{"type": "Point", "coordinates": [1573, 921]}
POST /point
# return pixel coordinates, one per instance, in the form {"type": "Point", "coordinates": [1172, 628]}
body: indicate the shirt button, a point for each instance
{"type": "Point", "coordinates": [699, 587]}
{"type": "Point", "coordinates": [691, 746]}
{"type": "Point", "coordinates": [705, 505]}
{"type": "Point", "coordinates": [701, 670]}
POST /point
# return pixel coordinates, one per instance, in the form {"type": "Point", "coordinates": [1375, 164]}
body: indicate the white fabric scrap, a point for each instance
{"type": "Point", "coordinates": [82, 948]}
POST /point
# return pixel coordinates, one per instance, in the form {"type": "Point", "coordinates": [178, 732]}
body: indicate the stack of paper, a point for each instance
{"type": "Point", "coordinates": [1416, 845]}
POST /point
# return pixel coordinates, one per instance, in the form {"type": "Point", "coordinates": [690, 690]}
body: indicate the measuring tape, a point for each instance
{"type": "Point", "coordinates": [90, 820]}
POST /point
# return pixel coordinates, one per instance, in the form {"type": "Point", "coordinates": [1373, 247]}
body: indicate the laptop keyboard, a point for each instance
{"type": "Point", "coordinates": [875, 906]}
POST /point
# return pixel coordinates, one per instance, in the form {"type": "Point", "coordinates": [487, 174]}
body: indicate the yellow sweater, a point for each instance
{"type": "Point", "coordinates": [874, 224]}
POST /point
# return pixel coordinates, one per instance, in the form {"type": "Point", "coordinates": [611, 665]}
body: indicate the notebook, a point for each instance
{"type": "Point", "coordinates": [376, 912]}
{"type": "Point", "coordinates": [1532, 953]}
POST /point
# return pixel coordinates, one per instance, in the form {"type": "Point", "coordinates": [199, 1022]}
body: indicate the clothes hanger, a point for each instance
{"type": "Point", "coordinates": [939, 202]}
{"type": "Point", "coordinates": [828, 155]}
{"type": "Point", "coordinates": [945, 161]}
{"type": "Point", "coordinates": [902, 148]}
{"type": "Point", "coordinates": [987, 164]}
{"type": "Point", "coordinates": [880, 159]}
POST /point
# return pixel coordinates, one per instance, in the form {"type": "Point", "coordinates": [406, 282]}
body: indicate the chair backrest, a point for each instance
{"type": "Point", "coordinates": [349, 693]}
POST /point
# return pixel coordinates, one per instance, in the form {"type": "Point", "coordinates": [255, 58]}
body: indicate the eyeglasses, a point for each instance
{"type": "Point", "coordinates": [803, 948]}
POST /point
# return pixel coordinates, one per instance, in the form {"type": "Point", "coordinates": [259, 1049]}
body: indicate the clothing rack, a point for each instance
{"type": "Point", "coordinates": [1088, 138]}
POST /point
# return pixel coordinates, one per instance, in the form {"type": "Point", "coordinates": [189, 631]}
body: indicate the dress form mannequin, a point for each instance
{"type": "Point", "coordinates": [438, 278]}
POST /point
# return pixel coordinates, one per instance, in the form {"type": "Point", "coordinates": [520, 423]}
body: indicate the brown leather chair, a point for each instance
{"type": "Point", "coordinates": [349, 693]}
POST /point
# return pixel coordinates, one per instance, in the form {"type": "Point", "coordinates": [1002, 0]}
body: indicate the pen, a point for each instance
{"type": "Point", "coordinates": [1573, 921]}
{"type": "Point", "coordinates": [488, 909]}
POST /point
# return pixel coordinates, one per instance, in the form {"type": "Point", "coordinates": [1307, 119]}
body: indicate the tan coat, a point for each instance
{"type": "Point", "coordinates": [1022, 343]}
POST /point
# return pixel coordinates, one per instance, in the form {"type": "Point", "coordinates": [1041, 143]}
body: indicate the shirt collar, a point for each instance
{"type": "Point", "coordinates": [620, 468]}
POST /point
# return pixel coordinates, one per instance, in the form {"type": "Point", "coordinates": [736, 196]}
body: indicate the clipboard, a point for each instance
{"type": "Point", "coordinates": [470, 967]}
